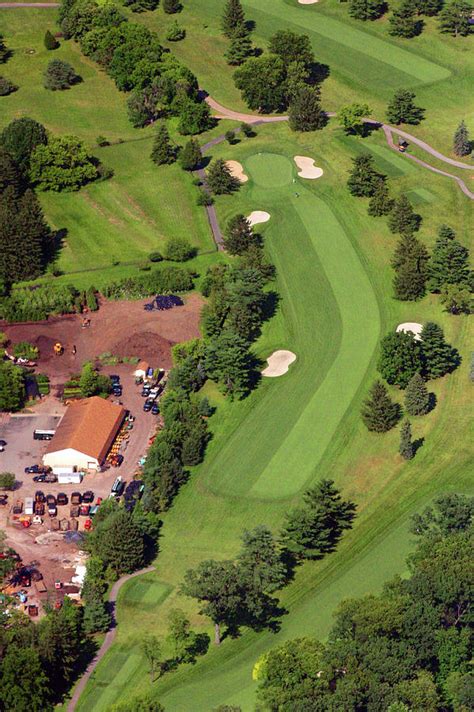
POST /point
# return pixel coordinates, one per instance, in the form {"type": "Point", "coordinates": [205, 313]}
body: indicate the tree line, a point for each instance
{"type": "Point", "coordinates": [406, 18]}
{"type": "Point", "coordinates": [446, 271]}
{"type": "Point", "coordinates": [408, 648]}
{"type": "Point", "coordinates": [158, 84]}
{"type": "Point", "coordinates": [239, 592]}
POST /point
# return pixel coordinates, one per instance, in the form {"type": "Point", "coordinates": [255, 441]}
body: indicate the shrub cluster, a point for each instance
{"type": "Point", "coordinates": [164, 280]}
{"type": "Point", "coordinates": [133, 56]}
{"type": "Point", "coordinates": [38, 302]}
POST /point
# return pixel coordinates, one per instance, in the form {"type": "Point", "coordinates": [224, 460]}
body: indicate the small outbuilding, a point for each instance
{"type": "Point", "coordinates": [141, 370]}
{"type": "Point", "coordinates": [85, 435]}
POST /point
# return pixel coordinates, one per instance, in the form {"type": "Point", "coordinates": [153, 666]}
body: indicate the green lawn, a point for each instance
{"type": "Point", "coordinates": [365, 63]}
{"type": "Point", "coordinates": [334, 283]}
{"type": "Point", "coordinates": [119, 220]}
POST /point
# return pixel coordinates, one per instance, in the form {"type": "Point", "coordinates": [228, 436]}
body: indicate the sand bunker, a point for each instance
{"type": "Point", "coordinates": [237, 170]}
{"type": "Point", "coordinates": [307, 167]}
{"type": "Point", "coordinates": [258, 216]}
{"type": "Point", "coordinates": [307, 2]}
{"type": "Point", "coordinates": [278, 363]}
{"type": "Point", "coordinates": [413, 327]}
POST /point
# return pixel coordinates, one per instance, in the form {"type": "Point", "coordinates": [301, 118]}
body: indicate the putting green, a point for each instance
{"type": "Point", "coordinates": [270, 170]}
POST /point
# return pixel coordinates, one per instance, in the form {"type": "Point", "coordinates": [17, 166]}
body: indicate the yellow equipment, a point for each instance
{"type": "Point", "coordinates": [58, 348]}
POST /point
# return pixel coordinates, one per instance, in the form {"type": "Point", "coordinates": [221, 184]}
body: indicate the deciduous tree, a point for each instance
{"type": "Point", "coordinates": [262, 83]}
{"type": "Point", "coordinates": [400, 358]}
{"type": "Point", "coordinates": [63, 164]}
{"type": "Point", "coordinates": [351, 118]}
{"type": "Point", "coordinates": [171, 6]}
{"type": "Point", "coordinates": [456, 299]}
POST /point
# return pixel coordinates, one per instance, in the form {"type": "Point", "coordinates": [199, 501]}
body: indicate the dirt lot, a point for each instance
{"type": "Point", "coordinates": [121, 328]}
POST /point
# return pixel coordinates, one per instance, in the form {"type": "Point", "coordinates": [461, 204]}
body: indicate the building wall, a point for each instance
{"type": "Point", "coordinates": [70, 458]}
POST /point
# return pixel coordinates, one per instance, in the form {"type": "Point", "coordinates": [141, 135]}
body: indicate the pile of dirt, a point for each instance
{"type": "Point", "coordinates": [147, 346]}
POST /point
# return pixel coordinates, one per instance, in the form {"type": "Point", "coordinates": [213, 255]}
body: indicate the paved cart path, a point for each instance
{"type": "Point", "coordinates": [221, 112]}
{"type": "Point", "coordinates": [109, 637]}
{"type": "Point", "coordinates": [4, 5]}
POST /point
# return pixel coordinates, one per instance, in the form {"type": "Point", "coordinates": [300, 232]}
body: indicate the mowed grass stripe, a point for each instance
{"type": "Point", "coordinates": [308, 315]}
{"type": "Point", "coordinates": [344, 34]}
{"type": "Point", "coordinates": [304, 446]}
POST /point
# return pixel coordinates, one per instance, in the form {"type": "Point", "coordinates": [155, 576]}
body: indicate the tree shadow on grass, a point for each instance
{"type": "Point", "coordinates": [417, 444]}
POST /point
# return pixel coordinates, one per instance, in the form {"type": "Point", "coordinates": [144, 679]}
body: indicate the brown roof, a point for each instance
{"type": "Point", "coordinates": [89, 426]}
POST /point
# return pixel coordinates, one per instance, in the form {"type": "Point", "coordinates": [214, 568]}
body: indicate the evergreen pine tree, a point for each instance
{"type": "Point", "coordinates": [171, 6]}
{"type": "Point", "coordinates": [366, 9]}
{"type": "Point", "coordinates": [233, 20]}
{"type": "Point", "coordinates": [163, 150]}
{"type": "Point", "coordinates": [10, 173]}
{"type": "Point", "coordinates": [403, 218]}
{"type": "Point", "coordinates": [20, 138]}
{"type": "Point", "coordinates": [380, 203]}
{"type": "Point", "coordinates": [454, 18]}
{"type": "Point", "coordinates": [305, 112]}
{"type": "Point", "coordinates": [428, 7]}
{"type": "Point", "coordinates": [439, 357]}
{"type": "Point", "coordinates": [50, 42]}
{"type": "Point", "coordinates": [119, 543]}
{"type": "Point", "coordinates": [400, 358]}
{"type": "Point", "coordinates": [461, 143]}
{"type": "Point", "coordinates": [417, 398]}
{"type": "Point", "coordinates": [190, 156]}
{"type": "Point", "coordinates": [449, 263]}
{"type": "Point", "coordinates": [219, 178]}
{"type": "Point", "coordinates": [403, 22]}
{"type": "Point", "coordinates": [406, 449]}
{"type": "Point", "coordinates": [410, 261]}
{"type": "Point", "coordinates": [239, 50]}
{"type": "Point", "coordinates": [379, 412]}
{"type": "Point", "coordinates": [402, 109]}
{"type": "Point", "coordinates": [239, 235]}
{"type": "Point", "coordinates": [364, 178]}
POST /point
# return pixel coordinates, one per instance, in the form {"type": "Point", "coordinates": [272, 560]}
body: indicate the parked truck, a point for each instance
{"type": "Point", "coordinates": [29, 505]}
{"type": "Point", "coordinates": [69, 478]}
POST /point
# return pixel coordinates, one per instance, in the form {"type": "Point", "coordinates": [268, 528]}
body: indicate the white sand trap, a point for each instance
{"type": "Point", "coordinates": [258, 216]}
{"type": "Point", "coordinates": [237, 170]}
{"type": "Point", "coordinates": [278, 363]}
{"type": "Point", "coordinates": [413, 327]}
{"type": "Point", "coordinates": [307, 167]}
{"type": "Point", "coordinates": [307, 2]}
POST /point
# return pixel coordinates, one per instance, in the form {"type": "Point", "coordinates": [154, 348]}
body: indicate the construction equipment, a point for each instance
{"type": "Point", "coordinates": [58, 348]}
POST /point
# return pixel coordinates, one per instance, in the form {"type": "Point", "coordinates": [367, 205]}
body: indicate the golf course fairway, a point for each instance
{"type": "Point", "coordinates": [333, 351]}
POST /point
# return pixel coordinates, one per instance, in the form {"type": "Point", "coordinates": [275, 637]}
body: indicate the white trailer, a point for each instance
{"type": "Point", "coordinates": [28, 505]}
{"type": "Point", "coordinates": [69, 478]}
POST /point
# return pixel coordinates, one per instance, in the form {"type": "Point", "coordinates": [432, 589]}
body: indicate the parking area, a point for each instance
{"type": "Point", "coordinates": [54, 552]}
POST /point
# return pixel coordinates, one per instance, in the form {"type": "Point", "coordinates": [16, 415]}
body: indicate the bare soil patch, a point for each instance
{"type": "Point", "coordinates": [121, 328]}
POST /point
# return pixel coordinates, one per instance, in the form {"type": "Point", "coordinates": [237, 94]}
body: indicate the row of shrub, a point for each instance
{"type": "Point", "coordinates": [165, 280]}
{"type": "Point", "coordinates": [38, 302]}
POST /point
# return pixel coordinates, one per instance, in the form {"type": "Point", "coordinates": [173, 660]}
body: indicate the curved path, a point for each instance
{"type": "Point", "coordinates": [39, 5]}
{"type": "Point", "coordinates": [223, 113]}
{"type": "Point", "coordinates": [108, 640]}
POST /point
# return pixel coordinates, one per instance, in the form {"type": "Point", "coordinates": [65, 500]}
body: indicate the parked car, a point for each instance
{"type": "Point", "coordinates": [88, 496]}
{"type": "Point", "coordinates": [76, 498]}
{"type": "Point", "coordinates": [118, 487]}
{"type": "Point", "coordinates": [35, 469]}
{"type": "Point", "coordinates": [155, 408]}
{"type": "Point", "coordinates": [117, 390]}
{"type": "Point", "coordinates": [39, 496]}
{"type": "Point", "coordinates": [52, 510]}
{"type": "Point", "coordinates": [45, 477]}
{"type": "Point", "coordinates": [84, 510]}
{"type": "Point", "coordinates": [62, 498]}
{"type": "Point", "coordinates": [50, 499]}
{"type": "Point", "coordinates": [146, 391]}
{"type": "Point", "coordinates": [115, 379]}
{"type": "Point", "coordinates": [147, 406]}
